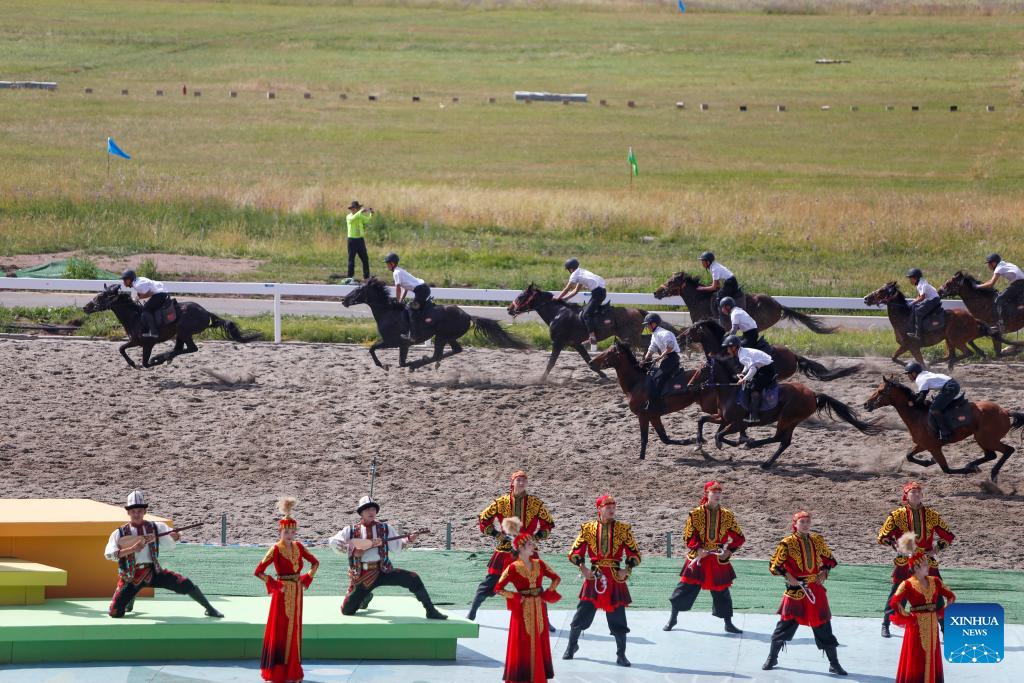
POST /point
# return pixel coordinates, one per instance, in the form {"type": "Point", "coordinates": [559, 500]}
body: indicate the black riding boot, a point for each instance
{"type": "Point", "coordinates": [149, 325]}
{"type": "Point", "coordinates": [198, 596]}
{"type": "Point", "coordinates": [574, 643]}
{"type": "Point", "coordinates": [620, 650]}
{"type": "Point", "coordinates": [885, 626]}
{"type": "Point", "coordinates": [428, 605]}
{"type": "Point", "coordinates": [754, 414]}
{"type": "Point", "coordinates": [833, 662]}
{"type": "Point", "coordinates": [773, 656]}
{"type": "Point", "coordinates": [671, 620]}
{"type": "Point", "coordinates": [478, 600]}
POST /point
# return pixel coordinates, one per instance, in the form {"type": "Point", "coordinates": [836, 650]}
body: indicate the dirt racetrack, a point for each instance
{"type": "Point", "coordinates": [77, 422]}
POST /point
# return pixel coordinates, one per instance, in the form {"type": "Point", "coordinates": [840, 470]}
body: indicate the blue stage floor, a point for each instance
{"type": "Point", "coordinates": [697, 650]}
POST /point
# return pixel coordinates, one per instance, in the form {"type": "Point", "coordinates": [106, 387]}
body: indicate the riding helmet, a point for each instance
{"type": "Point", "coordinates": [128, 275]}
{"type": "Point", "coordinates": [730, 341]}
{"type": "Point", "coordinates": [391, 258]}
{"type": "Point", "coordinates": [652, 318]}
{"type": "Point", "coordinates": [993, 258]}
{"type": "Point", "coordinates": [913, 368]}
{"type": "Point", "coordinates": [727, 301]}
{"type": "Point", "coordinates": [708, 256]}
{"type": "Point", "coordinates": [915, 272]}
{"type": "Point", "coordinates": [572, 264]}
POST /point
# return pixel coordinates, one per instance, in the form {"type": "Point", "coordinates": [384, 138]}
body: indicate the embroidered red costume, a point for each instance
{"type": "Point", "coordinates": [528, 656]}
{"type": "Point", "coordinates": [915, 608]}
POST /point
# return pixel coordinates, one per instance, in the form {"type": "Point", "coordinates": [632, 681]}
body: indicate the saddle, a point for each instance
{"type": "Point", "coordinates": [958, 415]}
{"type": "Point", "coordinates": [168, 315]}
{"type": "Point", "coordinates": [769, 399]}
{"type": "Point", "coordinates": [934, 321]}
{"type": "Point", "coordinates": [677, 383]}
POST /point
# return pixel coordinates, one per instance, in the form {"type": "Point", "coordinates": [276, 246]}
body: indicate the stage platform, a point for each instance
{"type": "Point", "coordinates": [174, 628]}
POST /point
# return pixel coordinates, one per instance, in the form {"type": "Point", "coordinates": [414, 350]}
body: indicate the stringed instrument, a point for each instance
{"type": "Point", "coordinates": [367, 543]}
{"type": "Point", "coordinates": [129, 541]}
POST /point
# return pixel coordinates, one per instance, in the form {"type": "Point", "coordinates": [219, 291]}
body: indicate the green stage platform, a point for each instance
{"type": "Point", "coordinates": [173, 628]}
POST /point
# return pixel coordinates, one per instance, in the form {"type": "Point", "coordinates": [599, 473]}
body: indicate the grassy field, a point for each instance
{"type": "Point", "coordinates": [471, 193]}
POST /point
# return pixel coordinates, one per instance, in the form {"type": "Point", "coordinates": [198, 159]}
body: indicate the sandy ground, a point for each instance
{"type": "Point", "coordinates": [76, 421]}
{"type": "Point", "coordinates": [178, 265]}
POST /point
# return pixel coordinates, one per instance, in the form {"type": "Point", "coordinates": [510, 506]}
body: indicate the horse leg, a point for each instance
{"type": "Point", "coordinates": [900, 350]}
{"type": "Point", "coordinates": [1007, 451]}
{"type": "Point", "coordinates": [940, 458]}
{"type": "Point", "coordinates": [644, 429]}
{"type": "Point", "coordinates": [973, 465]}
{"type": "Point", "coordinates": [556, 349]}
{"type": "Point", "coordinates": [663, 435]}
{"type": "Point", "coordinates": [784, 436]}
{"type": "Point", "coordinates": [190, 345]}
{"type": "Point", "coordinates": [124, 352]}
{"type": "Point", "coordinates": [373, 354]}
{"type": "Point", "coordinates": [724, 430]}
{"type": "Point", "coordinates": [918, 461]}
{"type": "Point", "coordinates": [582, 350]}
{"type": "Point", "coordinates": [977, 349]}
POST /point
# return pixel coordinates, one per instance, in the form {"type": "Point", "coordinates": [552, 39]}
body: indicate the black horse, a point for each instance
{"type": "Point", "coordinates": [191, 320]}
{"type": "Point", "coordinates": [446, 324]}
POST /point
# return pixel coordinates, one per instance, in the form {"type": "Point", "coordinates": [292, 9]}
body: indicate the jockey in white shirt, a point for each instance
{"type": "Point", "coordinates": [925, 304]}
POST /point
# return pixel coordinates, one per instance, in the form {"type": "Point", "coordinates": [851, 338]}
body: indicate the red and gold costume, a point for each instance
{"type": "Point", "coordinates": [528, 656]}
{"type": "Point", "coordinates": [931, 531]}
{"type": "Point", "coordinates": [916, 607]}
{"type": "Point", "coordinates": [281, 659]}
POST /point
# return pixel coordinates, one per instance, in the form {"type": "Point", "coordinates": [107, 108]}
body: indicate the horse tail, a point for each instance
{"type": "Point", "coordinates": [492, 332]}
{"type": "Point", "coordinates": [232, 331]}
{"type": "Point", "coordinates": [1017, 423]}
{"type": "Point", "coordinates": [836, 408]}
{"type": "Point", "coordinates": [816, 370]}
{"type": "Point", "coordinates": [809, 321]}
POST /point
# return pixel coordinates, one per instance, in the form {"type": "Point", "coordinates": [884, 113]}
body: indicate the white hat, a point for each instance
{"type": "Point", "coordinates": [136, 499]}
{"type": "Point", "coordinates": [366, 502]}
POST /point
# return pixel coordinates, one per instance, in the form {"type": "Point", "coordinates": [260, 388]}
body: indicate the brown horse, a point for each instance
{"type": "Point", "coordinates": [960, 331]}
{"type": "Point", "coordinates": [708, 334]}
{"type": "Point", "coordinates": [990, 424]}
{"type": "Point", "coordinates": [765, 310]}
{"type": "Point", "coordinates": [981, 303]}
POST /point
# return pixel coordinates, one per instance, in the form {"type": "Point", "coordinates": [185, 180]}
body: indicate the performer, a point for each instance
{"type": "Point", "coordinates": [281, 660]}
{"type": "Point", "coordinates": [607, 543]}
{"type": "Point", "coordinates": [536, 521]}
{"type": "Point", "coordinates": [372, 567]}
{"type": "Point", "coordinates": [917, 606]}
{"type": "Point", "coordinates": [932, 535]}
{"type": "Point", "coordinates": [712, 534]}
{"type": "Point", "coordinates": [528, 655]}
{"type": "Point", "coordinates": [805, 560]}
{"type": "Point", "coordinates": [583, 279]}
{"type": "Point", "coordinates": [138, 564]}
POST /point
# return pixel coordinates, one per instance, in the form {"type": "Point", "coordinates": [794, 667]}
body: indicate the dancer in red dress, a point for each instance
{"type": "Point", "coordinates": [804, 559]}
{"type": "Point", "coordinates": [528, 656]}
{"type": "Point", "coordinates": [712, 534]}
{"type": "Point", "coordinates": [281, 661]}
{"type": "Point", "coordinates": [916, 607]}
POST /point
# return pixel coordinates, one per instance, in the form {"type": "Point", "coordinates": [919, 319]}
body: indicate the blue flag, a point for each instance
{"type": "Point", "coordinates": [114, 150]}
{"type": "Point", "coordinates": [682, 7]}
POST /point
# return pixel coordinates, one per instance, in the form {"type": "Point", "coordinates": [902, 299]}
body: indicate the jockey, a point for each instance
{"type": "Point", "coordinates": [153, 294]}
{"type": "Point", "coordinates": [664, 350]}
{"type": "Point", "coordinates": [926, 303]}
{"type": "Point", "coordinates": [1014, 277]}
{"type": "Point", "coordinates": [723, 282]}
{"type": "Point", "coordinates": [741, 322]}
{"type": "Point", "coordinates": [405, 282]}
{"type": "Point", "coordinates": [580, 278]}
{"type": "Point", "coordinates": [758, 374]}
{"type": "Point", "coordinates": [948, 389]}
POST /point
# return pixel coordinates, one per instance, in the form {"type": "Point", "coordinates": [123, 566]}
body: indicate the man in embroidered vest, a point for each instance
{"type": "Point", "coordinates": [371, 567]}
{"type": "Point", "coordinates": [804, 560]}
{"type": "Point", "coordinates": [712, 534]}
{"type": "Point", "coordinates": [932, 534]}
{"type": "Point", "coordinates": [608, 544]}
{"type": "Point", "coordinates": [138, 563]}
{"type": "Point", "coordinates": [537, 522]}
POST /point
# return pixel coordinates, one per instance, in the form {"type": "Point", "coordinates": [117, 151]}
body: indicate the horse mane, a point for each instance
{"type": "Point", "coordinates": [714, 325]}
{"type": "Point", "coordinates": [894, 382]}
{"type": "Point", "coordinates": [687, 278]}
{"type": "Point", "coordinates": [381, 288]}
{"type": "Point", "coordinates": [627, 351]}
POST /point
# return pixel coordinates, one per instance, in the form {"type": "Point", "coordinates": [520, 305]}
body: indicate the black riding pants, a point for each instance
{"type": "Point", "coordinates": [945, 396]}
{"type": "Point", "coordinates": [155, 302]}
{"type": "Point", "coordinates": [925, 309]}
{"type": "Point", "coordinates": [597, 297]}
{"type": "Point", "coordinates": [1007, 300]}
{"type": "Point", "coordinates": [750, 338]}
{"type": "Point", "coordinates": [823, 636]}
{"type": "Point", "coordinates": [668, 367]}
{"type": "Point", "coordinates": [357, 247]}
{"type": "Point", "coordinates": [730, 287]}
{"type": "Point", "coordinates": [416, 309]}
{"type": "Point", "coordinates": [685, 593]}
{"type": "Point", "coordinates": [764, 378]}
{"type": "Point", "coordinates": [584, 617]}
{"type": "Point", "coordinates": [396, 577]}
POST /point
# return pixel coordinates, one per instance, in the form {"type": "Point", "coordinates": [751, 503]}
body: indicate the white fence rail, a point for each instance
{"type": "Point", "coordinates": [278, 289]}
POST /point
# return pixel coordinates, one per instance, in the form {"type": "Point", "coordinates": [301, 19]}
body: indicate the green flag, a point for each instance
{"type": "Point", "coordinates": [632, 162]}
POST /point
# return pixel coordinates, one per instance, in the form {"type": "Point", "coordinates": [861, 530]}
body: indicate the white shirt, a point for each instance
{"type": "Point", "coordinates": [339, 541]}
{"type": "Point", "coordinates": [143, 285]}
{"type": "Point", "coordinates": [930, 380]}
{"type": "Point", "coordinates": [751, 360]}
{"type": "Point", "coordinates": [661, 341]}
{"type": "Point", "coordinates": [406, 280]}
{"type": "Point", "coordinates": [720, 272]}
{"type": "Point", "coordinates": [144, 556]}
{"type": "Point", "coordinates": [741, 320]}
{"type": "Point", "coordinates": [1009, 271]}
{"type": "Point", "coordinates": [588, 280]}
{"type": "Point", "coordinates": [924, 288]}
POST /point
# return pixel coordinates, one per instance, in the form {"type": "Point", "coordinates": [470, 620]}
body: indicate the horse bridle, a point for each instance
{"type": "Point", "coordinates": [518, 308]}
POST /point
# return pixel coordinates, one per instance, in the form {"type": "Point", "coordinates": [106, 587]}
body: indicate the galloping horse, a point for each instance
{"type": "Point", "coordinates": [447, 324]}
{"type": "Point", "coordinates": [192, 319]}
{"type": "Point", "coordinates": [566, 326]}
{"type": "Point", "coordinates": [961, 329]}
{"type": "Point", "coordinates": [708, 334]}
{"type": "Point", "coordinates": [765, 310]}
{"type": "Point", "coordinates": [989, 425]}
{"type": "Point", "coordinates": [796, 403]}
{"type": "Point", "coordinates": [981, 303]}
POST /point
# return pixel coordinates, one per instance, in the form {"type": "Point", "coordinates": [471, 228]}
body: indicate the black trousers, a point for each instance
{"type": "Point", "coordinates": [685, 593]}
{"type": "Point", "coordinates": [486, 588]}
{"type": "Point", "coordinates": [750, 338]}
{"type": "Point", "coordinates": [1007, 300]}
{"type": "Point", "coordinates": [584, 617]}
{"type": "Point", "coordinates": [155, 302]}
{"type": "Point", "coordinates": [126, 592]}
{"type": "Point", "coordinates": [945, 396]}
{"type": "Point", "coordinates": [668, 367]}
{"type": "Point", "coordinates": [764, 378]}
{"type": "Point", "coordinates": [416, 310]}
{"type": "Point", "coordinates": [357, 247]}
{"type": "Point", "coordinates": [395, 577]}
{"type": "Point", "coordinates": [597, 297]}
{"type": "Point", "coordinates": [923, 310]}
{"type": "Point", "coordinates": [823, 637]}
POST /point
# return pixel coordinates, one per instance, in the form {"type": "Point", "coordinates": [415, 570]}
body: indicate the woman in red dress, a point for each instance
{"type": "Point", "coordinates": [281, 661]}
{"type": "Point", "coordinates": [528, 657]}
{"type": "Point", "coordinates": [914, 608]}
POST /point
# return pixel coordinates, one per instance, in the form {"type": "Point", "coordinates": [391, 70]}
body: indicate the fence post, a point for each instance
{"type": "Point", "coordinates": [277, 318]}
{"type": "Point", "coordinates": [668, 544]}
{"type": "Point", "coordinates": [448, 536]}
{"type": "Point", "coordinates": [224, 528]}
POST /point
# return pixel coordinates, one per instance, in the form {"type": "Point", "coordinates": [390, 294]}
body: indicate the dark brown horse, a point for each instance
{"type": "Point", "coordinates": [567, 329]}
{"type": "Point", "coordinates": [960, 331]}
{"type": "Point", "coordinates": [990, 424]}
{"type": "Point", "coordinates": [765, 310]}
{"type": "Point", "coordinates": [708, 334]}
{"type": "Point", "coordinates": [981, 303]}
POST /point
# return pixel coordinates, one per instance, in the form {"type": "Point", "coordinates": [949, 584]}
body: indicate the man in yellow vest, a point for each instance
{"type": "Point", "coordinates": [356, 220]}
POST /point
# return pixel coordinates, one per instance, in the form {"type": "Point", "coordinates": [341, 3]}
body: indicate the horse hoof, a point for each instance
{"type": "Point", "coordinates": [387, 368]}
{"type": "Point", "coordinates": [765, 466]}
